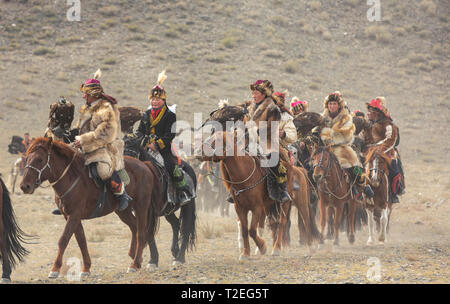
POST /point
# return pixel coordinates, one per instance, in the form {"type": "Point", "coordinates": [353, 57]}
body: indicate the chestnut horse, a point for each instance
{"type": "Point", "coordinates": [246, 180]}
{"type": "Point", "coordinates": [334, 192]}
{"type": "Point", "coordinates": [11, 236]}
{"type": "Point", "coordinates": [377, 169]}
{"type": "Point", "coordinates": [64, 168]}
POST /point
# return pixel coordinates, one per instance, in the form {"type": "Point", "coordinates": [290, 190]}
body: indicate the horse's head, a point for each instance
{"type": "Point", "coordinates": [321, 162]}
{"type": "Point", "coordinates": [377, 165]}
{"type": "Point", "coordinates": [37, 164]}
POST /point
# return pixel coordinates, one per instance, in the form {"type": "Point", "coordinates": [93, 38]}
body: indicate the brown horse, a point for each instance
{"type": "Point", "coordinates": [334, 192]}
{"type": "Point", "coordinates": [77, 194]}
{"type": "Point", "coordinates": [246, 180]}
{"type": "Point", "coordinates": [377, 169]}
{"type": "Point", "coordinates": [11, 236]}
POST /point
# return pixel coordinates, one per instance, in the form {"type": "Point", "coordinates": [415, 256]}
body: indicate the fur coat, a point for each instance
{"type": "Point", "coordinates": [338, 132]}
{"type": "Point", "coordinates": [99, 129]}
{"type": "Point", "coordinates": [384, 134]}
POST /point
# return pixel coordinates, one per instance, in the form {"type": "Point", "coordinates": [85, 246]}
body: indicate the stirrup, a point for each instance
{"type": "Point", "coordinates": [123, 198]}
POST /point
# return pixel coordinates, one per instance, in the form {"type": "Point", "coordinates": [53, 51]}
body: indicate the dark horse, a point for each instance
{"type": "Point", "coordinates": [11, 236]}
{"type": "Point", "coordinates": [64, 168]}
{"type": "Point", "coordinates": [184, 226]}
{"type": "Point", "coordinates": [334, 192]}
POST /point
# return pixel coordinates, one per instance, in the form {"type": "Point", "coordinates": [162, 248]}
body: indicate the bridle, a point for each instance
{"type": "Point", "coordinates": [38, 181]}
{"type": "Point", "coordinates": [326, 174]}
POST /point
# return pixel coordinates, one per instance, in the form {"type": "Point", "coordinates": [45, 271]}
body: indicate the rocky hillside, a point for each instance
{"type": "Point", "coordinates": [214, 49]}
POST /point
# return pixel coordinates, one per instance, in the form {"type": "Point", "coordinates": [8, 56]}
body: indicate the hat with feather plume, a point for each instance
{"type": "Point", "coordinates": [158, 89]}
{"type": "Point", "coordinates": [92, 86]}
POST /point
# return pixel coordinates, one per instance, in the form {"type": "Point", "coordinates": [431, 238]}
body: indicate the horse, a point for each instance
{"type": "Point", "coordinates": [244, 177]}
{"type": "Point", "coordinates": [377, 169]}
{"type": "Point", "coordinates": [77, 193]}
{"type": "Point", "coordinates": [211, 190]}
{"type": "Point", "coordinates": [11, 236]}
{"type": "Point", "coordinates": [328, 175]}
{"type": "Point", "coordinates": [184, 226]}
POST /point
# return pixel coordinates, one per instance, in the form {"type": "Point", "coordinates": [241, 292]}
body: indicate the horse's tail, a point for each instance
{"type": "Point", "coordinates": [13, 236]}
{"type": "Point", "coordinates": [188, 216]}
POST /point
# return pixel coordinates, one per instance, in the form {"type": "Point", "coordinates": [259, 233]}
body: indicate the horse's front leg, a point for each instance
{"type": "Point", "coordinates": [323, 219]}
{"type": "Point", "coordinates": [351, 221]}
{"type": "Point", "coordinates": [337, 222]}
{"type": "Point", "coordinates": [256, 217]}
{"type": "Point", "coordinates": [242, 215]}
{"type": "Point", "coordinates": [371, 224]}
{"type": "Point", "coordinates": [383, 224]}
{"type": "Point", "coordinates": [81, 240]}
{"type": "Point", "coordinates": [71, 226]}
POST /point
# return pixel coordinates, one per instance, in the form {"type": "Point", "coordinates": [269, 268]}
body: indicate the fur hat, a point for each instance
{"type": "Point", "coordinates": [378, 104]}
{"type": "Point", "coordinates": [335, 96]}
{"type": "Point", "coordinates": [263, 86]}
{"type": "Point", "coordinates": [92, 86]}
{"type": "Point", "coordinates": [297, 104]}
{"type": "Point", "coordinates": [158, 89]}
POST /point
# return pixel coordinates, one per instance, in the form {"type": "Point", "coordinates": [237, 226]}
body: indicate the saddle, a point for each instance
{"type": "Point", "coordinates": [168, 187]}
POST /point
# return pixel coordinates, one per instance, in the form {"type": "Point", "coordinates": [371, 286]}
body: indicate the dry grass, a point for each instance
{"type": "Point", "coordinates": [379, 33]}
{"type": "Point", "coordinates": [109, 11]}
{"type": "Point", "coordinates": [429, 7]}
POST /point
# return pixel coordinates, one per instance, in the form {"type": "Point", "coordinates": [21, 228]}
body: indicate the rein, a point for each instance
{"type": "Point", "coordinates": [328, 191]}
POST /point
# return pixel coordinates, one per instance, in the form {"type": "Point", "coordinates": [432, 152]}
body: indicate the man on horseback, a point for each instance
{"type": "Point", "coordinates": [266, 105]}
{"type": "Point", "coordinates": [99, 138]}
{"type": "Point", "coordinates": [338, 131]}
{"type": "Point", "coordinates": [383, 133]}
{"type": "Point", "coordinates": [155, 129]}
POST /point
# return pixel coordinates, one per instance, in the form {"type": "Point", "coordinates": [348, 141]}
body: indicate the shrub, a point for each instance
{"type": "Point", "coordinates": [109, 11]}
{"type": "Point", "coordinates": [41, 51]}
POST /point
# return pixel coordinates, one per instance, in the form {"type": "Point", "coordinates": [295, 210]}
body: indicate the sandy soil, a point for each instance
{"type": "Point", "coordinates": [417, 249]}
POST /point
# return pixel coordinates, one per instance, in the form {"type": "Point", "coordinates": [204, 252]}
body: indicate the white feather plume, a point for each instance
{"type": "Point", "coordinates": [98, 74]}
{"type": "Point", "coordinates": [161, 77]}
{"type": "Point", "coordinates": [223, 103]}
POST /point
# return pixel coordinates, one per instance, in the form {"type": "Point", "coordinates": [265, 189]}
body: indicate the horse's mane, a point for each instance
{"type": "Point", "coordinates": [333, 157]}
{"type": "Point", "coordinates": [375, 150]}
{"type": "Point", "coordinates": [59, 147]}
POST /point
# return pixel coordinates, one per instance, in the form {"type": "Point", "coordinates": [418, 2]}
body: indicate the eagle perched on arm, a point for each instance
{"type": "Point", "coordinates": [306, 121]}
{"type": "Point", "coordinates": [225, 113]}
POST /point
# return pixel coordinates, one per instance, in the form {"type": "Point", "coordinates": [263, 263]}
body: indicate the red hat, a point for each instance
{"type": "Point", "coordinates": [380, 105]}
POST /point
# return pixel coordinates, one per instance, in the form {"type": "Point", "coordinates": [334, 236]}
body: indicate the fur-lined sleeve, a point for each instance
{"type": "Point", "coordinates": [105, 131]}
{"type": "Point", "coordinates": [287, 125]}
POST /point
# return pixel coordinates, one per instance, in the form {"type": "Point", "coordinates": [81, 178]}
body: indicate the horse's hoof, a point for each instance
{"type": "Point", "coordinates": [177, 263]}
{"type": "Point", "coordinates": [351, 239]}
{"type": "Point", "coordinates": [131, 270]}
{"type": "Point", "coordinates": [243, 257]}
{"type": "Point", "coordinates": [380, 242]}
{"type": "Point", "coordinates": [53, 274]}
{"type": "Point", "coordinates": [276, 252]}
{"type": "Point", "coordinates": [370, 242]}
{"type": "Point", "coordinates": [5, 281]}
{"type": "Point", "coordinates": [311, 250]}
{"type": "Point", "coordinates": [152, 267]}
{"type": "Point", "coordinates": [85, 275]}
